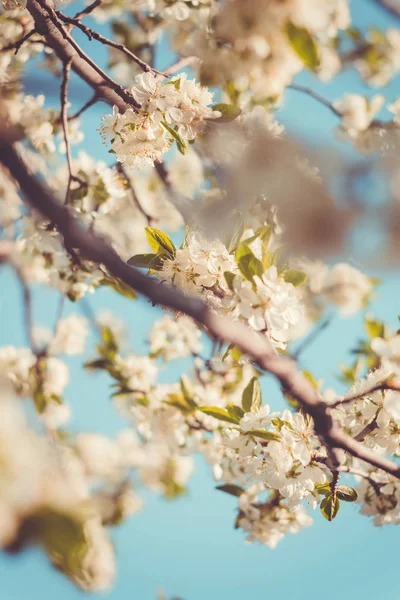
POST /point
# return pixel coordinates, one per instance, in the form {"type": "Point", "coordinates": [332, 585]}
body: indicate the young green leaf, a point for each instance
{"type": "Point", "coordinates": [269, 436]}
{"type": "Point", "coordinates": [141, 260]}
{"type": "Point", "coordinates": [219, 413]}
{"type": "Point", "coordinates": [159, 241]}
{"type": "Point", "coordinates": [229, 112]}
{"type": "Point", "coordinates": [180, 144]}
{"type": "Point", "coordinates": [346, 493]}
{"type": "Point", "coordinates": [374, 328]}
{"type": "Point", "coordinates": [303, 44]}
{"type": "Point", "coordinates": [295, 277]}
{"type": "Point", "coordinates": [329, 507]}
{"type": "Point", "coordinates": [230, 488]}
{"type": "Point", "coordinates": [252, 396]}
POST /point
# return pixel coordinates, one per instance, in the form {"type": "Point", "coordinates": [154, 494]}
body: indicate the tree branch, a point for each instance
{"type": "Point", "coordinates": [17, 45]}
{"type": "Point", "coordinates": [64, 123]}
{"type": "Point", "coordinates": [219, 326]}
{"type": "Point", "coordinates": [316, 96]}
{"type": "Point", "coordinates": [94, 35]}
{"type": "Point", "coordinates": [86, 11]}
{"type": "Point", "coordinates": [392, 7]}
{"type": "Point", "coordinates": [60, 40]}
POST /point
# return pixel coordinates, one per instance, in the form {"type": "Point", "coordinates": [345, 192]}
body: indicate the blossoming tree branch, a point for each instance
{"type": "Point", "coordinates": [242, 294]}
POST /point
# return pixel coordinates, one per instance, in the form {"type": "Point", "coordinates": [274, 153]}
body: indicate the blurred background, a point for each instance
{"type": "Point", "coordinates": [188, 546]}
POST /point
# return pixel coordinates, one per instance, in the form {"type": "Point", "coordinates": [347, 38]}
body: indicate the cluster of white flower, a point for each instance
{"type": "Point", "coordinates": [28, 112]}
{"type": "Point", "coordinates": [199, 265]}
{"type": "Point", "coordinates": [380, 62]}
{"type": "Point", "coordinates": [139, 372]}
{"type": "Point", "coordinates": [271, 305]}
{"type": "Point", "coordinates": [284, 464]}
{"type": "Point", "coordinates": [16, 365]}
{"type": "Point", "coordinates": [254, 46]}
{"type": "Point", "coordinates": [41, 257]}
{"type": "Point", "coordinates": [358, 112]}
{"type": "Point", "coordinates": [172, 338]}
{"type": "Point", "coordinates": [100, 188]}
{"type": "Point", "coordinates": [342, 285]}
{"type": "Point", "coordinates": [379, 494]}
{"type": "Point", "coordinates": [70, 336]}
{"type": "Point", "coordinates": [268, 522]}
{"type": "Point", "coordinates": [34, 487]}
{"type": "Point", "coordinates": [173, 110]}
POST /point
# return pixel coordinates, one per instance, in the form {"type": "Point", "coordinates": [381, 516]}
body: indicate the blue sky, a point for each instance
{"type": "Point", "coordinates": [189, 546]}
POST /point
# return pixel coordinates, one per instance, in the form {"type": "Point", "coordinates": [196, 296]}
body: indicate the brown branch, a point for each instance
{"type": "Point", "coordinates": [392, 7]}
{"type": "Point", "coordinates": [357, 473]}
{"type": "Point", "coordinates": [88, 104]}
{"type": "Point", "coordinates": [64, 123]}
{"type": "Point", "coordinates": [316, 96]}
{"type": "Point", "coordinates": [60, 40]}
{"type": "Point", "coordinates": [94, 35]}
{"type": "Point", "coordinates": [380, 387]}
{"type": "Point", "coordinates": [311, 337]}
{"type": "Point", "coordinates": [182, 63]}
{"type": "Point", "coordinates": [86, 11]}
{"type": "Point", "coordinates": [17, 45]}
{"type": "Point", "coordinates": [27, 299]}
{"type": "Point", "coordinates": [135, 198]}
{"type": "Point", "coordinates": [218, 326]}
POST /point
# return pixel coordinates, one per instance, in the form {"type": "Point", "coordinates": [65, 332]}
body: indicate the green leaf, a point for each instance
{"type": "Point", "coordinates": [310, 377]}
{"type": "Point", "coordinates": [236, 235]}
{"type": "Point", "coordinates": [141, 260]}
{"type": "Point", "coordinates": [231, 488]}
{"type": "Point", "coordinates": [248, 264]}
{"type": "Point", "coordinates": [159, 241]}
{"type": "Point", "coordinates": [252, 396]}
{"type": "Point", "coordinates": [235, 411]}
{"type": "Point", "coordinates": [229, 112]}
{"type": "Point", "coordinates": [219, 413]}
{"type": "Point", "coordinates": [303, 44]}
{"type": "Point", "coordinates": [109, 346]}
{"type": "Point", "coordinates": [269, 436]}
{"type": "Point", "coordinates": [374, 328]}
{"type": "Point", "coordinates": [119, 286]}
{"type": "Point", "coordinates": [180, 402]}
{"type": "Point", "coordinates": [229, 277]}
{"type": "Point", "coordinates": [330, 508]}
{"type": "Point", "coordinates": [323, 488]}
{"type": "Point", "coordinates": [187, 391]}
{"type": "Point", "coordinates": [346, 493]}
{"type": "Point", "coordinates": [295, 277]}
{"type": "Point", "coordinates": [175, 135]}
{"type": "Point", "coordinates": [176, 83]}
{"type": "Point", "coordinates": [94, 365]}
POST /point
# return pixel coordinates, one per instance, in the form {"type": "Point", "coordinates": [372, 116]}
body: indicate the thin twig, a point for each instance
{"type": "Point", "coordinates": [312, 336]}
{"type": "Point", "coordinates": [88, 312]}
{"type": "Point", "coordinates": [357, 473]}
{"type": "Point", "coordinates": [17, 45]}
{"type": "Point", "coordinates": [28, 317]}
{"type": "Point", "coordinates": [88, 104]}
{"type": "Point", "coordinates": [380, 387]}
{"type": "Point", "coordinates": [390, 6]}
{"type": "Point", "coordinates": [116, 87]}
{"type": "Point", "coordinates": [360, 437]}
{"type": "Point", "coordinates": [135, 198]}
{"type": "Point", "coordinates": [64, 123]}
{"type": "Point", "coordinates": [316, 96]}
{"type": "Point", "coordinates": [182, 63]}
{"type": "Point", "coordinates": [86, 11]}
{"type": "Point", "coordinates": [94, 35]}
